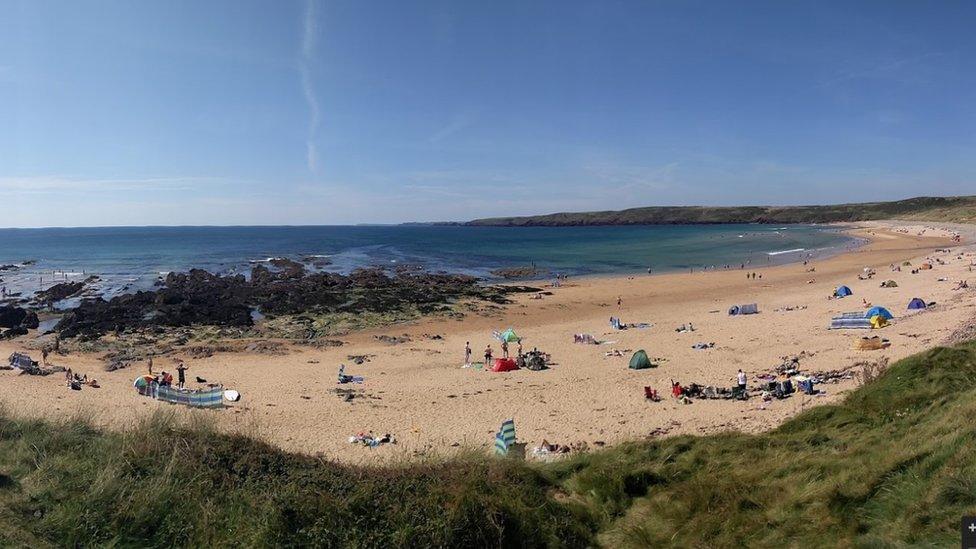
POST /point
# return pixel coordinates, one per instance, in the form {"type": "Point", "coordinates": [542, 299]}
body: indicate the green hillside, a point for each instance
{"type": "Point", "coordinates": [892, 465]}
{"type": "Point", "coordinates": [961, 209]}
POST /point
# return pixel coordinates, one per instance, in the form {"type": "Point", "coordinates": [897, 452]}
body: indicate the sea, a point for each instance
{"type": "Point", "coordinates": [127, 259]}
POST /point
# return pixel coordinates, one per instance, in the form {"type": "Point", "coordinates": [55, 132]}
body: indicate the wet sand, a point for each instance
{"type": "Point", "coordinates": [418, 392]}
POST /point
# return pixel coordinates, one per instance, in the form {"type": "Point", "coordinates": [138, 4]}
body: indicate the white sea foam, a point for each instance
{"type": "Point", "coordinates": [781, 252]}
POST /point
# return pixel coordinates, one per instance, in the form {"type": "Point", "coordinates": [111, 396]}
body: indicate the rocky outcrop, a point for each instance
{"type": "Point", "coordinates": [13, 332]}
{"type": "Point", "coordinates": [63, 290]}
{"type": "Point", "coordinates": [201, 298]}
{"type": "Point", "coordinates": [13, 317]}
{"type": "Point", "coordinates": [513, 273]}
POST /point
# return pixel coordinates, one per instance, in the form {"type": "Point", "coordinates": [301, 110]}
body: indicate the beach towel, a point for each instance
{"type": "Point", "coordinates": [204, 398]}
{"type": "Point", "coordinates": [505, 437]}
{"type": "Point", "coordinates": [850, 323]}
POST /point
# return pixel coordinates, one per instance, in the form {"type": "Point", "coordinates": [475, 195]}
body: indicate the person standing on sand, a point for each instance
{"type": "Point", "coordinates": [467, 353]}
{"type": "Point", "coordinates": [488, 356]}
{"type": "Point", "coordinates": [504, 349]}
{"type": "Point", "coordinates": [181, 373]}
{"type": "Point", "coordinates": [619, 301]}
{"type": "Point", "coordinates": [741, 378]}
{"type": "Point", "coordinates": [150, 365]}
{"type": "Point", "coordinates": [44, 353]}
{"type": "Point", "coordinates": [519, 349]}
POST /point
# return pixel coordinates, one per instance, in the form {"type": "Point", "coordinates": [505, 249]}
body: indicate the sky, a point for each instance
{"type": "Point", "coordinates": [386, 111]}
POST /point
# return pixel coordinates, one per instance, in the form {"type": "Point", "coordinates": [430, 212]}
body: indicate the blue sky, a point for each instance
{"type": "Point", "coordinates": [333, 112]}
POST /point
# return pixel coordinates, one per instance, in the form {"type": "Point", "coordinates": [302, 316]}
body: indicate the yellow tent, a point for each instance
{"type": "Point", "coordinates": [878, 321]}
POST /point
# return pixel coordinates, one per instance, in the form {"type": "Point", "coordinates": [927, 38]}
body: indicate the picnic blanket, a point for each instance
{"type": "Point", "coordinates": [203, 398]}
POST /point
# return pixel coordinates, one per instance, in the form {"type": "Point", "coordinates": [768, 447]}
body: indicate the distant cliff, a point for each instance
{"type": "Point", "coordinates": [961, 209]}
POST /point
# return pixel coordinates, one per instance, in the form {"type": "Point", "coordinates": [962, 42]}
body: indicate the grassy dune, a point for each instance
{"type": "Point", "coordinates": [894, 464]}
{"type": "Point", "coordinates": [960, 209]}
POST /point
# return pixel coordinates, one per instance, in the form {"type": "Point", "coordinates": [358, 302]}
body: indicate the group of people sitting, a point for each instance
{"type": "Point", "coordinates": [684, 394]}
{"type": "Point", "coordinates": [76, 381]}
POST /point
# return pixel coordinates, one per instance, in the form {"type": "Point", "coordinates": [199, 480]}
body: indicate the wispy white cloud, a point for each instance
{"type": "Point", "coordinates": [309, 29]}
{"type": "Point", "coordinates": [889, 68]}
{"type": "Point", "coordinates": [56, 184]}
{"type": "Point", "coordinates": [457, 123]}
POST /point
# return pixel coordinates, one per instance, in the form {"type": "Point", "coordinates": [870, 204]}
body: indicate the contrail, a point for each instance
{"type": "Point", "coordinates": [305, 66]}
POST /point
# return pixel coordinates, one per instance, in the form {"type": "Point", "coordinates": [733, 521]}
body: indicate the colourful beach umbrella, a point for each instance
{"type": "Point", "coordinates": [509, 335]}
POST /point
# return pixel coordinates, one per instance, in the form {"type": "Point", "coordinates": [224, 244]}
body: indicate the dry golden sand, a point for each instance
{"type": "Point", "coordinates": [418, 392]}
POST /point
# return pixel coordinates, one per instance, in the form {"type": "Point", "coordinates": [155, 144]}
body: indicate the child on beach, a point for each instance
{"type": "Point", "coordinates": [504, 349]}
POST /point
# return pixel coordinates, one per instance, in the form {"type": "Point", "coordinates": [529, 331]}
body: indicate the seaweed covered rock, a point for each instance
{"type": "Point", "coordinates": [202, 298]}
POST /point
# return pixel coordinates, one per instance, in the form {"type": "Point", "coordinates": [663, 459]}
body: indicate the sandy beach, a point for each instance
{"type": "Point", "coordinates": [417, 390]}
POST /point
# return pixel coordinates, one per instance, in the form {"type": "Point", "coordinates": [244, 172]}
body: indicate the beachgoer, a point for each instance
{"type": "Point", "coordinates": [44, 353]}
{"type": "Point", "coordinates": [619, 301]}
{"type": "Point", "coordinates": [488, 356]}
{"type": "Point", "coordinates": [519, 347]}
{"type": "Point", "coordinates": [504, 349]}
{"type": "Point", "coordinates": [467, 353]}
{"type": "Point", "coordinates": [741, 378]}
{"type": "Point", "coordinates": [150, 365]}
{"type": "Point", "coordinates": [181, 372]}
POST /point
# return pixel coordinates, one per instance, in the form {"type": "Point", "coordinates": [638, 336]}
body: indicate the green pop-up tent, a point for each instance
{"type": "Point", "coordinates": [640, 361]}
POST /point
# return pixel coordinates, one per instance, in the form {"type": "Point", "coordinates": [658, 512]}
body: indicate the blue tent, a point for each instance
{"type": "Point", "coordinates": [916, 303]}
{"type": "Point", "coordinates": [879, 311]}
{"type": "Point", "coordinates": [843, 291]}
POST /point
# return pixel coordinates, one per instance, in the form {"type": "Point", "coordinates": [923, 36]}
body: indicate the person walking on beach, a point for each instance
{"type": "Point", "coordinates": [467, 353]}
{"type": "Point", "coordinates": [181, 374]}
{"type": "Point", "coordinates": [619, 301]}
{"type": "Point", "coordinates": [488, 356]}
{"type": "Point", "coordinates": [741, 378]}
{"type": "Point", "coordinates": [504, 349]}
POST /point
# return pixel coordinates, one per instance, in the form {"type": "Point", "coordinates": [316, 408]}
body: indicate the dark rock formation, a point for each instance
{"type": "Point", "coordinates": [13, 332]}
{"type": "Point", "coordinates": [202, 298]}
{"type": "Point", "coordinates": [12, 317]}
{"type": "Point", "coordinates": [520, 272]}
{"type": "Point", "coordinates": [63, 290]}
{"type": "Point", "coordinates": [186, 299]}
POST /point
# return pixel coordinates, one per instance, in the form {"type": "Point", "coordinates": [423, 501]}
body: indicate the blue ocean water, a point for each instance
{"type": "Point", "coordinates": [129, 258]}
